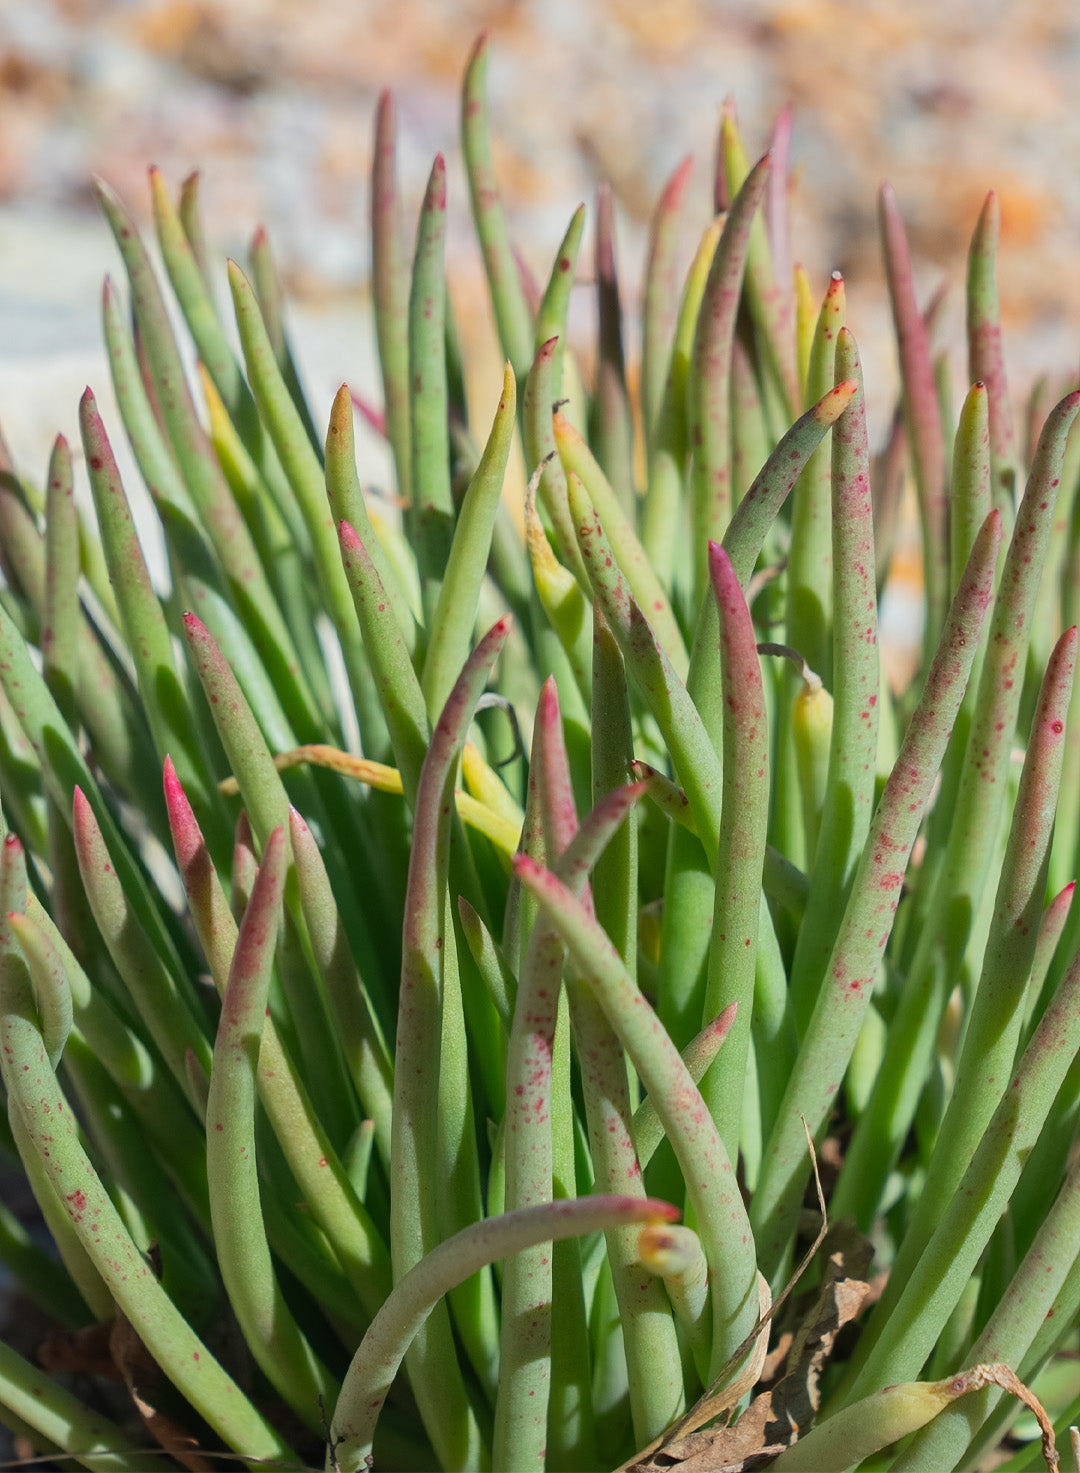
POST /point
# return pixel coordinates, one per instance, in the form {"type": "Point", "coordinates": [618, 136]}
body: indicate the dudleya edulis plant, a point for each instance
{"type": "Point", "coordinates": [452, 1095]}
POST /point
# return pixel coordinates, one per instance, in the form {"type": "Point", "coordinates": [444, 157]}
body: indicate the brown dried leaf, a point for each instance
{"type": "Point", "coordinates": [774, 1361]}
{"type": "Point", "coordinates": [776, 1417]}
{"type": "Point", "coordinates": [708, 1451]}
{"type": "Point", "coordinates": [684, 1445]}
{"type": "Point", "coordinates": [682, 1440]}
{"type": "Point", "coordinates": [84, 1352]}
{"type": "Point", "coordinates": [845, 1290]}
{"type": "Point", "coordinates": [999, 1374]}
{"type": "Point", "coordinates": [142, 1375]}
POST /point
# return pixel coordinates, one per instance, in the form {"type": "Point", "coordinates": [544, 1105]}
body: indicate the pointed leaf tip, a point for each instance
{"type": "Point", "coordinates": [186, 835]}
{"type": "Point", "coordinates": [722, 1023]}
{"type": "Point", "coordinates": [724, 579]}
{"type": "Point", "coordinates": [829, 409]}
{"type": "Point", "coordinates": [239, 281]}
{"type": "Point", "coordinates": [676, 185]}
{"type": "Point", "coordinates": [194, 627]}
{"type": "Point", "coordinates": [661, 1210]}
{"type": "Point", "coordinates": [80, 807]}
{"type": "Point", "coordinates": [104, 192]}
{"type": "Point", "coordinates": [435, 198]}
{"type": "Point", "coordinates": [348, 537]}
{"type": "Point", "coordinates": [718, 558]}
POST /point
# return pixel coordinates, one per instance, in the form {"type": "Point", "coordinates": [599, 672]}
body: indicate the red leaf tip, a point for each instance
{"type": "Point", "coordinates": [676, 184]}
{"type": "Point", "coordinates": [718, 558]}
{"type": "Point", "coordinates": [722, 1023]}
{"type": "Point", "coordinates": [549, 697]}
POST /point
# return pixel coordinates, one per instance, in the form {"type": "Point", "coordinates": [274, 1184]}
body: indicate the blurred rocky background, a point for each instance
{"type": "Point", "coordinates": [273, 101]}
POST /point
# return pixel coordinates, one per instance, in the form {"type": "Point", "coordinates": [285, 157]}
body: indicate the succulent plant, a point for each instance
{"type": "Point", "coordinates": [430, 899]}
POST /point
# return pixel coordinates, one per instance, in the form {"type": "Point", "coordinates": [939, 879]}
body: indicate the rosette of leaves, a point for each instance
{"type": "Point", "coordinates": [415, 904]}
